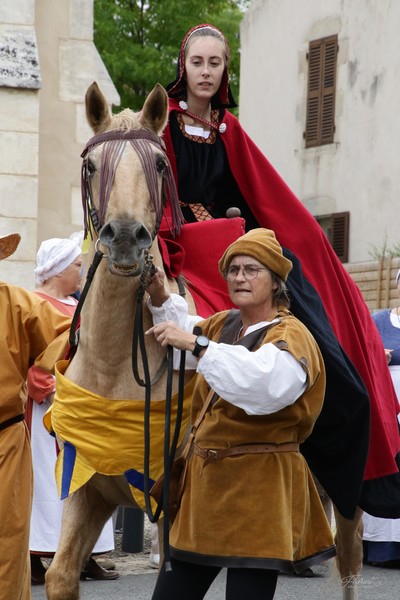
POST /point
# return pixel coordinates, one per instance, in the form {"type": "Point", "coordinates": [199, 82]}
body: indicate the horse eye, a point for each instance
{"type": "Point", "coordinates": [160, 164]}
{"type": "Point", "coordinates": [91, 167]}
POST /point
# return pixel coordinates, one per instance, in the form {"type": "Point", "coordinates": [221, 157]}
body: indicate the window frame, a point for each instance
{"type": "Point", "coordinates": [321, 91]}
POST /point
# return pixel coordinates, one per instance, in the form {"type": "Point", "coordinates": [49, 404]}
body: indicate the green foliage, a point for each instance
{"type": "Point", "coordinates": [384, 250]}
{"type": "Point", "coordinates": [139, 40]}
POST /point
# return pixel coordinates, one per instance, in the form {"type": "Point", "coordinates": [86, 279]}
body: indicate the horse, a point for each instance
{"type": "Point", "coordinates": [124, 176]}
{"type": "Point", "coordinates": [124, 173]}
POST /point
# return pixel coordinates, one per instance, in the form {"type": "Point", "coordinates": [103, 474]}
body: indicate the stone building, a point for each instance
{"type": "Point", "coordinates": [47, 61]}
{"type": "Point", "coordinates": [319, 94]}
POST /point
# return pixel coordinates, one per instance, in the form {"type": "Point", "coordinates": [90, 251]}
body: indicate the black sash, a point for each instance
{"type": "Point", "coordinates": [11, 421]}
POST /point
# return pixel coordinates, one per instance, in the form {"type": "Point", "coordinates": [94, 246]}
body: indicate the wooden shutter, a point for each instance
{"type": "Point", "coordinates": [340, 235]}
{"type": "Point", "coordinates": [336, 228]}
{"type": "Point", "coordinates": [320, 119]}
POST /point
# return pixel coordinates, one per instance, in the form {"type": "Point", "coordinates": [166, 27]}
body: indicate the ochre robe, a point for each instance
{"type": "Point", "coordinates": [27, 325]}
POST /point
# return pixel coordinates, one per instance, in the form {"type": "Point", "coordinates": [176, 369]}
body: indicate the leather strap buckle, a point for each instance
{"type": "Point", "coordinates": [211, 457]}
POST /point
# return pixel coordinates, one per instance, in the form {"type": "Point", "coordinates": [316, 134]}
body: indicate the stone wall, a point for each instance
{"type": "Point", "coordinates": [20, 81]}
{"type": "Point", "coordinates": [47, 61]}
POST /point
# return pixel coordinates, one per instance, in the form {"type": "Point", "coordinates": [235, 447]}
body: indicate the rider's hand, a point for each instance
{"type": "Point", "coordinates": [170, 334]}
{"type": "Point", "coordinates": [156, 288]}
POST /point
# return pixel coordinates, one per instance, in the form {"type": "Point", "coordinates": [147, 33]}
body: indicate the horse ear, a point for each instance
{"type": "Point", "coordinates": [154, 114]}
{"type": "Point", "coordinates": [98, 112]}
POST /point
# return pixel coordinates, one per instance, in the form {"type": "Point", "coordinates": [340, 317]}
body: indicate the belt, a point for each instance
{"type": "Point", "coordinates": [11, 421]}
{"type": "Point", "coordinates": [213, 455]}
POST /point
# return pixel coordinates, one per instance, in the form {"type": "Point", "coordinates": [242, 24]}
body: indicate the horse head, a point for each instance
{"type": "Point", "coordinates": [126, 180]}
{"type": "Point", "coordinates": [125, 177]}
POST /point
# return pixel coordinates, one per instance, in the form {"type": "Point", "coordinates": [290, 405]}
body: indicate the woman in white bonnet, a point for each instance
{"type": "Point", "coordinates": [58, 271]}
{"type": "Point", "coordinates": [58, 276]}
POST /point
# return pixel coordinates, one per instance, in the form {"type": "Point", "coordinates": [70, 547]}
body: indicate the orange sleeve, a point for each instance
{"type": "Point", "coordinates": [40, 384]}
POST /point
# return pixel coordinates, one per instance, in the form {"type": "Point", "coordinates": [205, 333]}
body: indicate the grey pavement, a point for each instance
{"type": "Point", "coordinates": [373, 584]}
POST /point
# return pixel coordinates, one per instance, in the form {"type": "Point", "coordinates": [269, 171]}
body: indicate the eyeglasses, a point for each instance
{"type": "Point", "coordinates": [249, 272]}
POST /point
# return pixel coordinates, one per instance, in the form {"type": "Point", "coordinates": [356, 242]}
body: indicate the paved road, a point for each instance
{"type": "Point", "coordinates": [374, 584]}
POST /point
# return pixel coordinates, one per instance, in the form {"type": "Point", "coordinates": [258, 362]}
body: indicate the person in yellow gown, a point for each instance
{"type": "Point", "coordinates": [28, 324]}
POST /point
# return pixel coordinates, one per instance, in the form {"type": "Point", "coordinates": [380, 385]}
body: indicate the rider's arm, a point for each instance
{"type": "Point", "coordinates": [259, 382]}
{"type": "Point", "coordinates": [175, 309]}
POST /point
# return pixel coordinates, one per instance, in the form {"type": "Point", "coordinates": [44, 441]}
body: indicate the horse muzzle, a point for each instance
{"type": "Point", "coordinates": [126, 243]}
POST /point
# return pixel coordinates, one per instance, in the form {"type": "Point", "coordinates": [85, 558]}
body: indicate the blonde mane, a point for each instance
{"type": "Point", "coordinates": [125, 120]}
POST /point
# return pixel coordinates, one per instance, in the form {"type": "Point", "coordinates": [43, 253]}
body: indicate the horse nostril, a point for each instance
{"type": "Point", "coordinates": [107, 234]}
{"type": "Point", "coordinates": [143, 236]}
{"type": "Point", "coordinates": [116, 233]}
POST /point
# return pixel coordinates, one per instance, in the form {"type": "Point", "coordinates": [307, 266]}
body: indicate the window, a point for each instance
{"type": "Point", "coordinates": [336, 229]}
{"type": "Point", "coordinates": [320, 119]}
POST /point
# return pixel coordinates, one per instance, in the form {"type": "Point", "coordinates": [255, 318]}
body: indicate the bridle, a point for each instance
{"type": "Point", "coordinates": [115, 142]}
{"type": "Point", "coordinates": [141, 141]}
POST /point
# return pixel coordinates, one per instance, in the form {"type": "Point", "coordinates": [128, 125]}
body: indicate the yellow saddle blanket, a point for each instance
{"type": "Point", "coordinates": [107, 436]}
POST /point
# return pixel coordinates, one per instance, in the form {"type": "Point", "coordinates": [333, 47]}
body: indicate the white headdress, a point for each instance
{"type": "Point", "coordinates": [54, 256]}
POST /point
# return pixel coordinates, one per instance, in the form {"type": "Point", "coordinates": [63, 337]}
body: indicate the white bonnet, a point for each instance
{"type": "Point", "coordinates": [54, 256]}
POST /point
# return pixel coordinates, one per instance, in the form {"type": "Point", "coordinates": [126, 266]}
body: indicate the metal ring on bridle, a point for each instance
{"type": "Point", "coordinates": [96, 247]}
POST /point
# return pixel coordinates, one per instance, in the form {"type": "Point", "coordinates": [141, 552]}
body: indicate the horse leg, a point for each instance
{"type": "Point", "coordinates": [84, 514]}
{"type": "Point", "coordinates": [349, 549]}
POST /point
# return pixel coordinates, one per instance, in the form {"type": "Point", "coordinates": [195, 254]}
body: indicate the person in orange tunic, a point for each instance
{"type": "Point", "coordinates": [245, 472]}
{"type": "Point", "coordinates": [28, 324]}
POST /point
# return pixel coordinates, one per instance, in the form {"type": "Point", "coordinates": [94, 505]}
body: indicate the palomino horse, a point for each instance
{"type": "Point", "coordinates": [125, 173]}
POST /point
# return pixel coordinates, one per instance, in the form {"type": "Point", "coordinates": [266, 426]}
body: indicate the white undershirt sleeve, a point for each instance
{"type": "Point", "coordinates": [175, 309]}
{"type": "Point", "coordinates": [260, 382]}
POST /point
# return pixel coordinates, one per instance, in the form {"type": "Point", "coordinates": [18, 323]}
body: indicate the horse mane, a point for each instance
{"type": "Point", "coordinates": [125, 120]}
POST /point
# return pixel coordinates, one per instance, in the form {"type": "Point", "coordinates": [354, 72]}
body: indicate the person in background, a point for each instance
{"type": "Point", "coordinates": [381, 537]}
{"type": "Point", "coordinates": [28, 325]}
{"type": "Point", "coordinates": [249, 502]}
{"type": "Point", "coordinates": [217, 167]}
{"type": "Point", "coordinates": [58, 277]}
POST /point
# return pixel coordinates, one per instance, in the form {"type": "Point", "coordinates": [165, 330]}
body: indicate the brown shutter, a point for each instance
{"type": "Point", "coordinates": [313, 98]}
{"type": "Point", "coordinates": [320, 119]}
{"type": "Point", "coordinates": [328, 91]}
{"type": "Point", "coordinates": [340, 235]}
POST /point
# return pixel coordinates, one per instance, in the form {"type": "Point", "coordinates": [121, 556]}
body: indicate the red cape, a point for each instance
{"type": "Point", "coordinates": [276, 207]}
